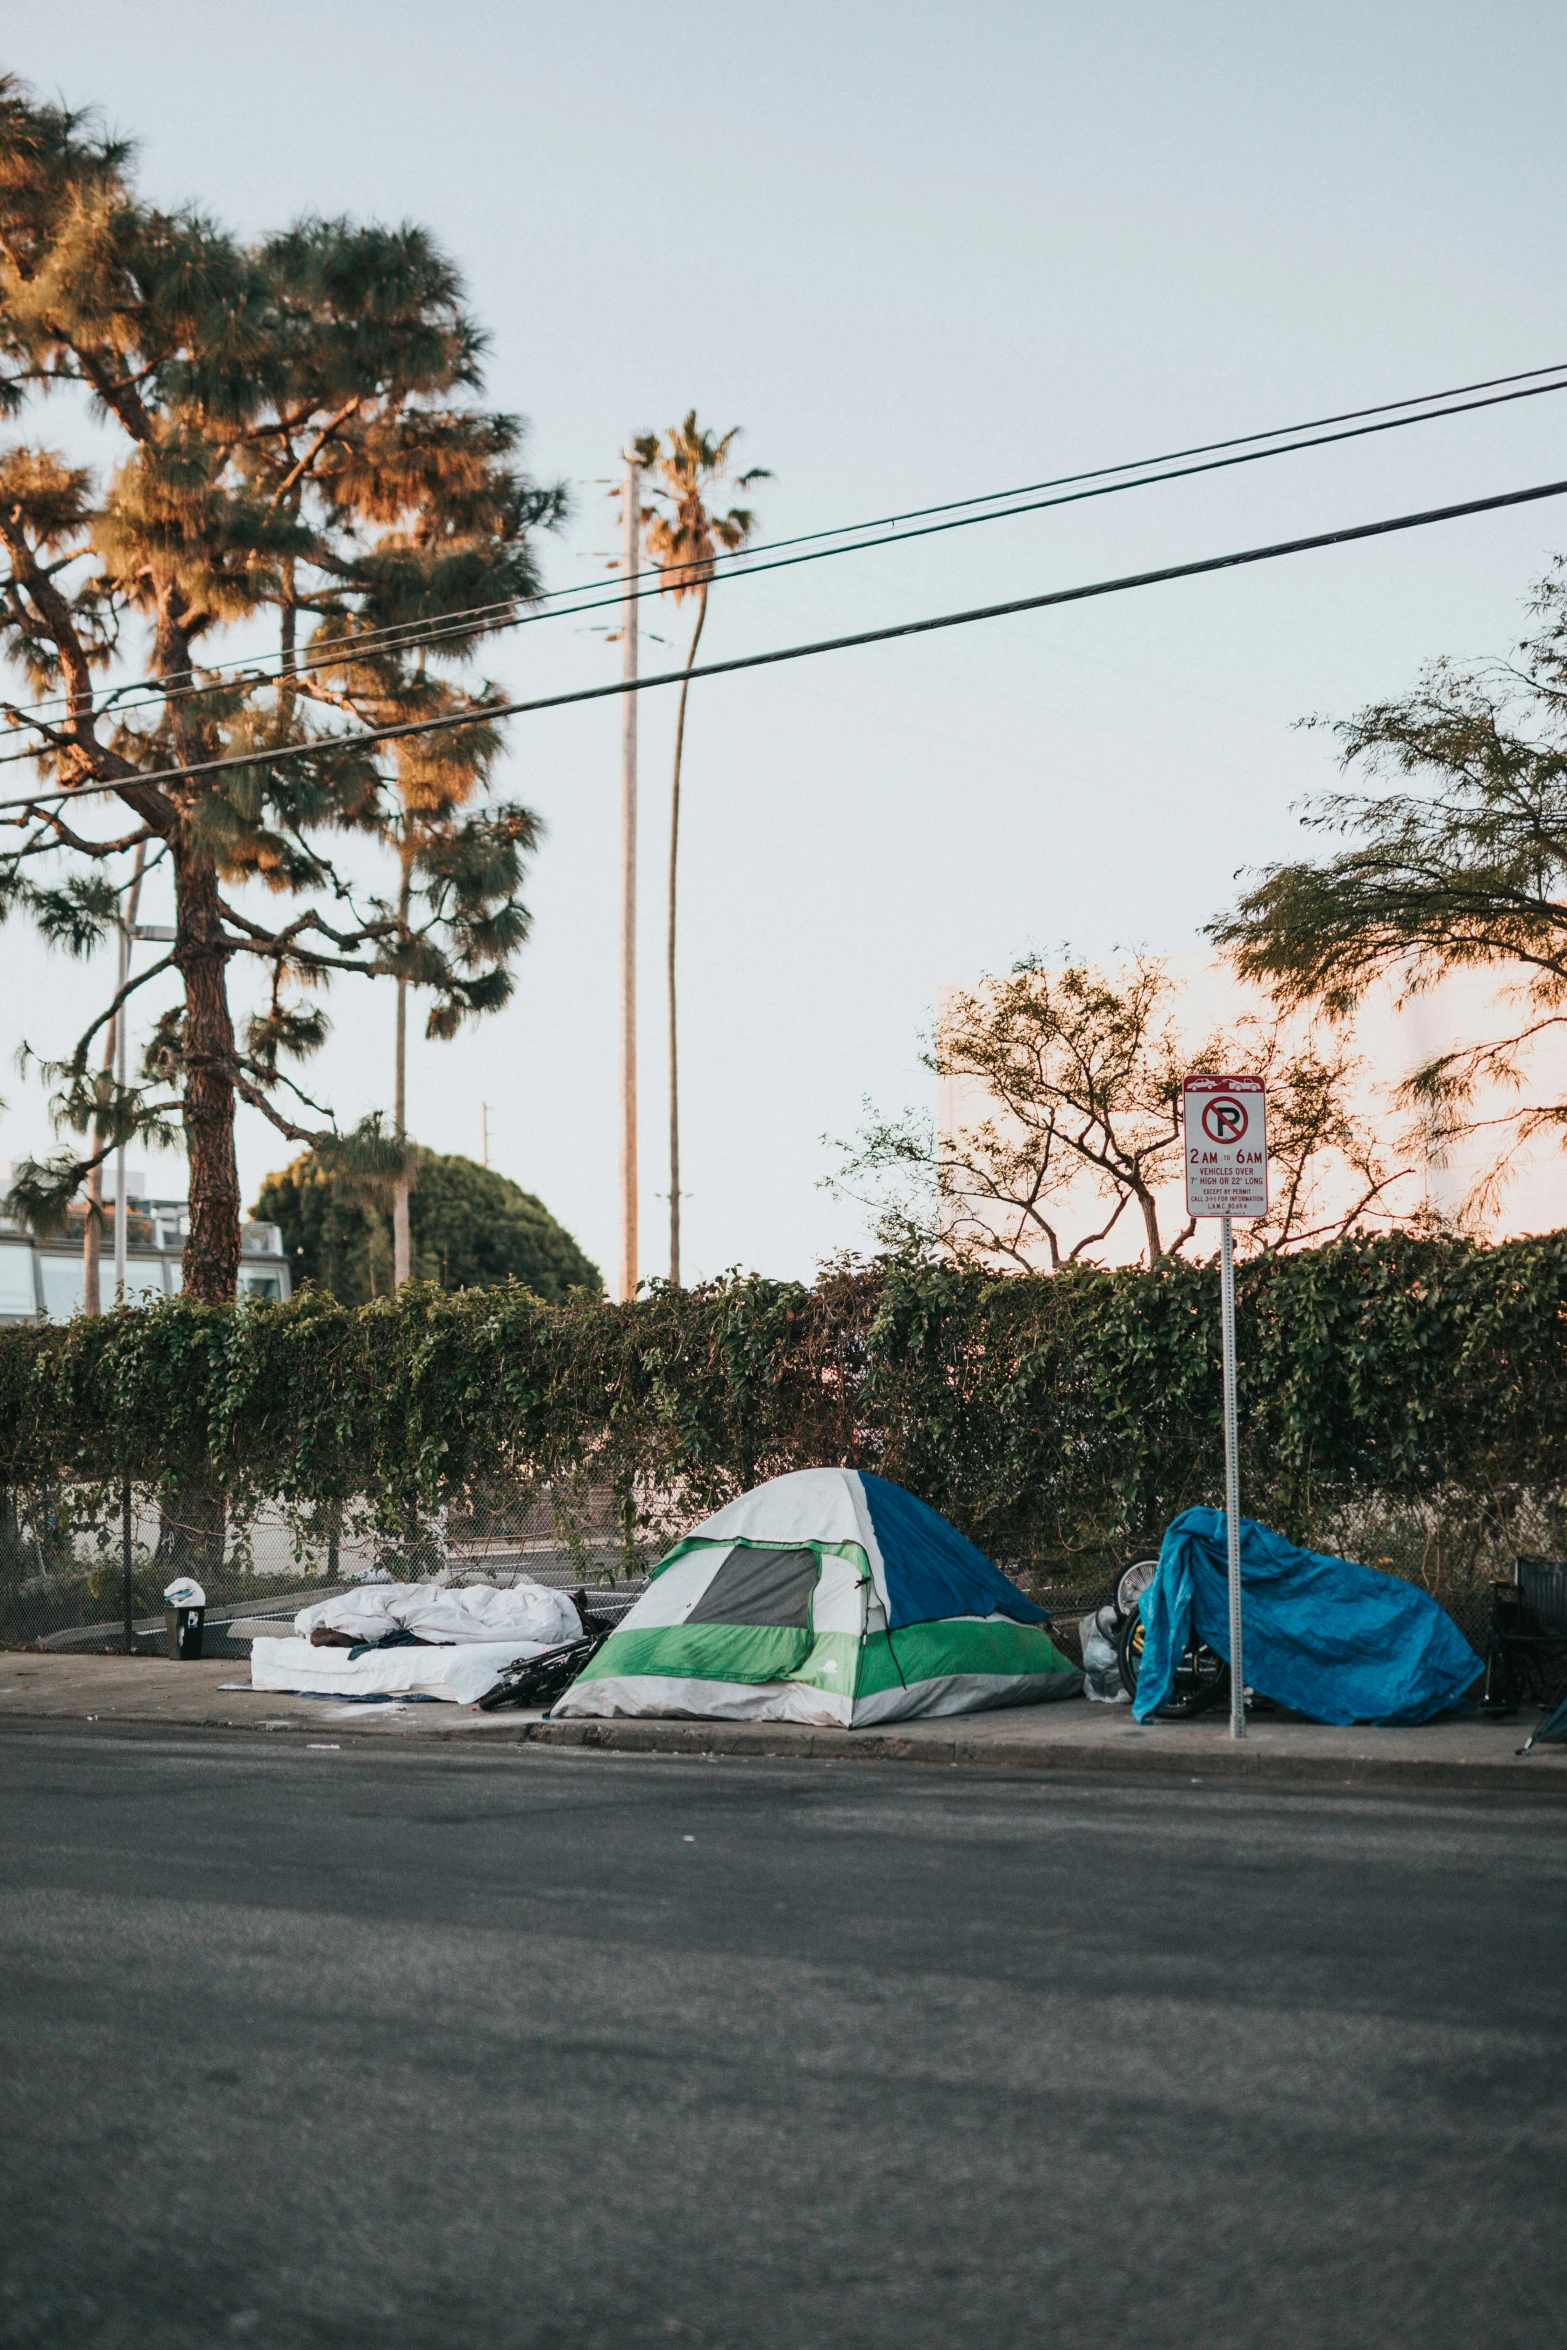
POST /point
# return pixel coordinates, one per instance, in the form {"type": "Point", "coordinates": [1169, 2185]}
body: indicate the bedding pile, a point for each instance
{"type": "Point", "coordinates": [415, 1640]}
{"type": "Point", "coordinates": [525, 1611]}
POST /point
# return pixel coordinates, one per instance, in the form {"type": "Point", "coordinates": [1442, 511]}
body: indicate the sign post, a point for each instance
{"type": "Point", "coordinates": [1226, 1127]}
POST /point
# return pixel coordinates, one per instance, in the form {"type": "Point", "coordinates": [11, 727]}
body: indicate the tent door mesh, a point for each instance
{"type": "Point", "coordinates": [756, 1586]}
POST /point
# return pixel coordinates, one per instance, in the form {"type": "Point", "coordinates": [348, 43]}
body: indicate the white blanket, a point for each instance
{"type": "Point", "coordinates": [460, 1673]}
{"type": "Point", "coordinates": [479, 1612]}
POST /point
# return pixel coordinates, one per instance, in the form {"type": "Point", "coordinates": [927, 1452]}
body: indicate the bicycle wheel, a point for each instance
{"type": "Point", "coordinates": [1202, 1680]}
{"type": "Point", "coordinates": [1132, 1581]}
{"type": "Point", "coordinates": [1129, 1651]}
{"type": "Point", "coordinates": [1202, 1677]}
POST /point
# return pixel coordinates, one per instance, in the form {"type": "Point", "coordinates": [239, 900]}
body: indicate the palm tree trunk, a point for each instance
{"type": "Point", "coordinates": [674, 1040]}
{"type": "Point", "coordinates": [92, 1235]}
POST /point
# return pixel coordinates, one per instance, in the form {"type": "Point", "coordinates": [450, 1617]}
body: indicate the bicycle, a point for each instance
{"type": "Point", "coordinates": [1202, 1678]}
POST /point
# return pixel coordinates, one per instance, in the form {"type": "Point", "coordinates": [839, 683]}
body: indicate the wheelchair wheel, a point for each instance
{"type": "Point", "coordinates": [1202, 1678]}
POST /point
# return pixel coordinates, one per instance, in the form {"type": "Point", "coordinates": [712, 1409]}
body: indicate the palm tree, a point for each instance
{"type": "Point", "coordinates": [684, 538]}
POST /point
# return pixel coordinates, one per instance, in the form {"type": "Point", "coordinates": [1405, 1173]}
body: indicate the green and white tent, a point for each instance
{"type": "Point", "coordinates": [828, 1596]}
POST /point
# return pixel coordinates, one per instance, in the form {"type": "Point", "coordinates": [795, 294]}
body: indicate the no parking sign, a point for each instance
{"type": "Point", "coordinates": [1226, 1146]}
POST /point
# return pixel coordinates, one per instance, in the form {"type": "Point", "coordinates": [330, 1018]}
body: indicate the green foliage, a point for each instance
{"type": "Point", "coordinates": [1053, 1419]}
{"type": "Point", "coordinates": [469, 1228]}
{"type": "Point", "coordinates": [1459, 865]}
{"type": "Point", "coordinates": [683, 534]}
{"type": "Point", "coordinates": [293, 448]}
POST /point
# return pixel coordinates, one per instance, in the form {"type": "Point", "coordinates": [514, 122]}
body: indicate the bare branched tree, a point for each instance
{"type": "Point", "coordinates": [1076, 1074]}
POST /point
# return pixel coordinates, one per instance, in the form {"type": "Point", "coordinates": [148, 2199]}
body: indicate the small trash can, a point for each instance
{"type": "Point", "coordinates": [185, 1617]}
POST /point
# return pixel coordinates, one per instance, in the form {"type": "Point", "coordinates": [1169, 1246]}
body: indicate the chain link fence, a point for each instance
{"type": "Point", "coordinates": [84, 1567]}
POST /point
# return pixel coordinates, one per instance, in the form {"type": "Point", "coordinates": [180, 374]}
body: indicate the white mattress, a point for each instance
{"type": "Point", "coordinates": [460, 1674]}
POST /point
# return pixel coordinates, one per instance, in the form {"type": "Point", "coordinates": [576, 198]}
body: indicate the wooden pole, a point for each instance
{"type": "Point", "coordinates": [121, 1024]}
{"type": "Point", "coordinates": [630, 543]}
{"type": "Point", "coordinates": [402, 1247]}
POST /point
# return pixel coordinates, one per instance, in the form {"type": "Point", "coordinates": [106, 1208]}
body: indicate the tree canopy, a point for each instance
{"type": "Point", "coordinates": [1072, 1080]}
{"type": "Point", "coordinates": [306, 480]}
{"type": "Point", "coordinates": [1462, 865]}
{"type": "Point", "coordinates": [469, 1228]}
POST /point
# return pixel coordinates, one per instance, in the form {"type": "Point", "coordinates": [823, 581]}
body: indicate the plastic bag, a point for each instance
{"type": "Point", "coordinates": [1101, 1665]}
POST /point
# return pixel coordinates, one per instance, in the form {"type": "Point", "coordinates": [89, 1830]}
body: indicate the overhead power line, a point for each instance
{"type": "Point", "coordinates": [1063, 481]}
{"type": "Point", "coordinates": [472, 621]}
{"type": "Point", "coordinates": [486, 712]}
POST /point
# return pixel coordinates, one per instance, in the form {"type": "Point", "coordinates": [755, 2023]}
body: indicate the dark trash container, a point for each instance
{"type": "Point", "coordinates": [185, 1626]}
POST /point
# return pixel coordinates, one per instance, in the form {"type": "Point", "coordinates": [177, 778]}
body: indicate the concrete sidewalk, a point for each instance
{"type": "Point", "coordinates": [155, 1693]}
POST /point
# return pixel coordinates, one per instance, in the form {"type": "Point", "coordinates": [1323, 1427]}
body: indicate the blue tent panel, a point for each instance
{"type": "Point", "coordinates": [1552, 1730]}
{"type": "Point", "coordinates": [1331, 1640]}
{"type": "Point", "coordinates": [932, 1571]}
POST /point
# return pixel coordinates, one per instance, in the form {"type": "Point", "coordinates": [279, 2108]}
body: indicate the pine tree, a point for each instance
{"type": "Point", "coordinates": [305, 463]}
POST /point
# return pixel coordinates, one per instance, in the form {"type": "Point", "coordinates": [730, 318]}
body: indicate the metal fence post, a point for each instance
{"type": "Point", "coordinates": [125, 1561]}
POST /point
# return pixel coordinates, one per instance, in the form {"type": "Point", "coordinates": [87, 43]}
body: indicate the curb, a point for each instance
{"type": "Point", "coordinates": [773, 1742]}
{"type": "Point", "coordinates": [1019, 1754]}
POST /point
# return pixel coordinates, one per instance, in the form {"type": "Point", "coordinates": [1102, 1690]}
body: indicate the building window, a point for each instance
{"type": "Point", "coordinates": [17, 1292]}
{"type": "Point", "coordinates": [64, 1287]}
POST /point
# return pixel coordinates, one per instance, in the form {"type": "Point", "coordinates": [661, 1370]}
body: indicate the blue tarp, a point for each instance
{"type": "Point", "coordinates": [1333, 1641]}
{"type": "Point", "coordinates": [932, 1570]}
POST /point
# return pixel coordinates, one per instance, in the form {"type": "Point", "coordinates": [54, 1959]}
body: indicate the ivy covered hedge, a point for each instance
{"type": "Point", "coordinates": [1054, 1419]}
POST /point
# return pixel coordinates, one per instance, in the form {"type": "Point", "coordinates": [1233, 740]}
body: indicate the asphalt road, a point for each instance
{"type": "Point", "coordinates": [345, 2047]}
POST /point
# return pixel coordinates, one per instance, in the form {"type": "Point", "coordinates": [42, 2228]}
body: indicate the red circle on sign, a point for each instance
{"type": "Point", "coordinates": [1224, 1119]}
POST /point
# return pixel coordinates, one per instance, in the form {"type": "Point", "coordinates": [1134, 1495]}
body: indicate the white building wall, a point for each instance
{"type": "Point", "coordinates": [1391, 1041]}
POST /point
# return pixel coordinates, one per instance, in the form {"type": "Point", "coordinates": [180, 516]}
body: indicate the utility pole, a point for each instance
{"type": "Point", "coordinates": [127, 933]}
{"type": "Point", "coordinates": [402, 1245]}
{"type": "Point", "coordinates": [484, 1115]}
{"type": "Point", "coordinates": [630, 520]}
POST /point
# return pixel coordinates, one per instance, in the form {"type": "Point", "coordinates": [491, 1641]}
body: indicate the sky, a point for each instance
{"type": "Point", "coordinates": [918, 253]}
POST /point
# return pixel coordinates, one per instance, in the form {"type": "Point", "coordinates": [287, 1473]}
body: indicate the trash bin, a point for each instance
{"type": "Point", "coordinates": [184, 1617]}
